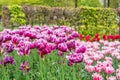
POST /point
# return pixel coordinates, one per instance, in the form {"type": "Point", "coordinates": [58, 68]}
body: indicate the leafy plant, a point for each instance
{"type": "Point", "coordinates": [92, 30]}
{"type": "Point", "coordinates": [17, 15]}
{"type": "Point", "coordinates": [61, 16]}
{"type": "Point", "coordinates": [90, 3]}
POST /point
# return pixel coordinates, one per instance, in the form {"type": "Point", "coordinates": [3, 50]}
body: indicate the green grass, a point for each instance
{"type": "Point", "coordinates": [47, 69]}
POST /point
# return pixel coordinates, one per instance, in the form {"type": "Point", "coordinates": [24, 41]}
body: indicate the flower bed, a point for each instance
{"type": "Point", "coordinates": [102, 60]}
{"type": "Point", "coordinates": [56, 53]}
{"type": "Point", "coordinates": [26, 47]}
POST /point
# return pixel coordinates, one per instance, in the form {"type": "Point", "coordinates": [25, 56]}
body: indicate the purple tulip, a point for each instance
{"type": "Point", "coordinates": [23, 48]}
{"type": "Point", "coordinates": [8, 60]}
{"type": "Point", "coordinates": [52, 38]}
{"type": "Point", "coordinates": [71, 44]}
{"type": "Point", "coordinates": [74, 58]}
{"type": "Point", "coordinates": [80, 49]}
{"type": "Point", "coordinates": [8, 47]}
{"type": "Point", "coordinates": [7, 38]}
{"type": "Point", "coordinates": [20, 32]}
{"type": "Point", "coordinates": [40, 44]}
{"type": "Point", "coordinates": [70, 63]}
{"type": "Point", "coordinates": [15, 40]}
{"type": "Point", "coordinates": [62, 34]}
{"type": "Point", "coordinates": [32, 46]}
{"type": "Point", "coordinates": [49, 31]}
{"type": "Point", "coordinates": [30, 35]}
{"type": "Point", "coordinates": [62, 47]}
{"type": "Point", "coordinates": [62, 39]}
{"type": "Point", "coordinates": [24, 66]}
{"type": "Point", "coordinates": [46, 50]}
{"type": "Point", "coordinates": [60, 53]}
{"type": "Point", "coordinates": [1, 38]}
{"type": "Point", "coordinates": [75, 34]}
{"type": "Point", "coordinates": [52, 46]}
{"type": "Point", "coordinates": [70, 37]}
{"type": "Point", "coordinates": [68, 29]}
{"type": "Point", "coordinates": [1, 62]}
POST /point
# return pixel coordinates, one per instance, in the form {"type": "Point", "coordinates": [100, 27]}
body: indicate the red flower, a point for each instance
{"type": "Point", "coordinates": [110, 37]}
{"type": "Point", "coordinates": [117, 37]}
{"type": "Point", "coordinates": [105, 37]}
{"type": "Point", "coordinates": [96, 37]}
{"type": "Point", "coordinates": [87, 38]}
{"type": "Point", "coordinates": [81, 36]}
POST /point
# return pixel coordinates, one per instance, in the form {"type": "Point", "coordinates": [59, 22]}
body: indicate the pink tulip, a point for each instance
{"type": "Point", "coordinates": [111, 78]}
{"type": "Point", "coordinates": [97, 76]}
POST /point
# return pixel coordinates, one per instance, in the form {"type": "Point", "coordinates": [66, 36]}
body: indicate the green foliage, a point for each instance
{"type": "Point", "coordinates": [88, 17]}
{"type": "Point", "coordinates": [97, 20]}
{"type": "Point", "coordinates": [39, 2]}
{"type": "Point", "coordinates": [92, 30]}
{"type": "Point", "coordinates": [52, 3]}
{"type": "Point", "coordinates": [53, 67]}
{"type": "Point", "coordinates": [114, 3]}
{"type": "Point", "coordinates": [90, 3]}
{"type": "Point", "coordinates": [17, 17]}
{"type": "Point", "coordinates": [97, 16]}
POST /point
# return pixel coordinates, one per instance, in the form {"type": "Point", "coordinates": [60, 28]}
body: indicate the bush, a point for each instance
{"type": "Point", "coordinates": [65, 16]}
{"type": "Point", "coordinates": [92, 30]}
{"type": "Point", "coordinates": [85, 20]}
{"type": "Point", "coordinates": [17, 17]}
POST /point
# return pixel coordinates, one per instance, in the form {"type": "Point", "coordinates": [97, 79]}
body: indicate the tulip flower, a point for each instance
{"type": "Point", "coordinates": [24, 66]}
{"type": "Point", "coordinates": [8, 60]}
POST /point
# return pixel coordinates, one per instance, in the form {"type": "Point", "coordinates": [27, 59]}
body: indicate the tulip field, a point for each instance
{"type": "Point", "coordinates": [57, 53]}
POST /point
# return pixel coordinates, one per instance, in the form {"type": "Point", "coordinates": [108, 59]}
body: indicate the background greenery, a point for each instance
{"type": "Point", "coordinates": [90, 20]}
{"type": "Point", "coordinates": [61, 3]}
{"type": "Point", "coordinates": [85, 20]}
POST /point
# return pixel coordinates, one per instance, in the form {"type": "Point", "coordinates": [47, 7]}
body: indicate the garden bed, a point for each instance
{"type": "Point", "coordinates": [56, 53]}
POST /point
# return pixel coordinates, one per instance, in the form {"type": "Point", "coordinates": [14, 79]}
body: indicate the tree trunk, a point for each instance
{"type": "Point", "coordinates": [108, 3]}
{"type": "Point", "coordinates": [76, 1]}
{"type": "Point", "coordinates": [104, 3]}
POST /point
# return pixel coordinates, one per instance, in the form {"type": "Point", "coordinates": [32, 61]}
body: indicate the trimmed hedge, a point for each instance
{"type": "Point", "coordinates": [37, 15]}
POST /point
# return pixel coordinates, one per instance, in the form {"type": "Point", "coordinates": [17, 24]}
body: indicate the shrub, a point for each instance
{"type": "Point", "coordinates": [17, 17]}
{"type": "Point", "coordinates": [77, 17]}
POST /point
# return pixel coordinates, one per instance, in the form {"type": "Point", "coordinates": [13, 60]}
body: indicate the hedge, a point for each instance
{"type": "Point", "coordinates": [36, 15]}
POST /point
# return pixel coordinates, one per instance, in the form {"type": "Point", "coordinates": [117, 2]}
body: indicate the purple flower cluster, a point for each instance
{"type": "Point", "coordinates": [24, 67]}
{"type": "Point", "coordinates": [43, 38]}
{"type": "Point", "coordinates": [74, 58]}
{"type": "Point", "coordinates": [77, 56]}
{"type": "Point", "coordinates": [7, 60]}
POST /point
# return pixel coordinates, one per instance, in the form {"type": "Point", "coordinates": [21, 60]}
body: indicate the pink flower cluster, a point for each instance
{"type": "Point", "coordinates": [43, 38]}
{"type": "Point", "coordinates": [100, 57]}
{"type": "Point", "coordinates": [118, 73]}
